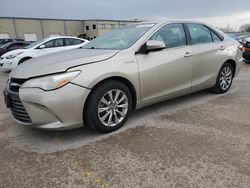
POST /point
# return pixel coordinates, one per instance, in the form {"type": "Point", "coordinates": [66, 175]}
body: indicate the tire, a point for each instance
{"type": "Point", "coordinates": [24, 59]}
{"type": "Point", "coordinates": [103, 115]}
{"type": "Point", "coordinates": [224, 79]}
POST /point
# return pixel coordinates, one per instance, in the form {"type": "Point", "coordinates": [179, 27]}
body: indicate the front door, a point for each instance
{"type": "Point", "coordinates": [168, 72]}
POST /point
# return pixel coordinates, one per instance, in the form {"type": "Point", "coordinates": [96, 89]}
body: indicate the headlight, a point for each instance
{"type": "Point", "coordinates": [51, 82]}
{"type": "Point", "coordinates": [11, 56]}
{"type": "Point", "coordinates": [8, 64]}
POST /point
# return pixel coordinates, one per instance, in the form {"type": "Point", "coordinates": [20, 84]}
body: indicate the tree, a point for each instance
{"type": "Point", "coordinates": [245, 28]}
{"type": "Point", "coordinates": [227, 29]}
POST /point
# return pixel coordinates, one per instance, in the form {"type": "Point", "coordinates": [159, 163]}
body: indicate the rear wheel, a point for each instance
{"type": "Point", "coordinates": [224, 79]}
{"type": "Point", "coordinates": [108, 106]}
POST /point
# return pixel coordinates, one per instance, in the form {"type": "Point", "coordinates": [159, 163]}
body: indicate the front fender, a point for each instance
{"type": "Point", "coordinates": [92, 74]}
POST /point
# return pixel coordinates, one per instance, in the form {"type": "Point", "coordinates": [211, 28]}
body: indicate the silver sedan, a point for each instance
{"type": "Point", "coordinates": [128, 68]}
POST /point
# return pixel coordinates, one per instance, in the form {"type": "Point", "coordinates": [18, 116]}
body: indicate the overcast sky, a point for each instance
{"type": "Point", "coordinates": [217, 12]}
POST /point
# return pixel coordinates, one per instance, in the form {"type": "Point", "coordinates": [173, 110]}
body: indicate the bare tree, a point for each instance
{"type": "Point", "coordinates": [245, 28]}
{"type": "Point", "coordinates": [227, 29]}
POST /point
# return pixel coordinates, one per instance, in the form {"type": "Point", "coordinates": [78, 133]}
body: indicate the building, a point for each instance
{"type": "Point", "coordinates": [94, 28]}
{"type": "Point", "coordinates": [35, 29]}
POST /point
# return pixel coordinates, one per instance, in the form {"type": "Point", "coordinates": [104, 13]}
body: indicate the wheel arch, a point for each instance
{"type": "Point", "coordinates": [233, 63]}
{"type": "Point", "coordinates": [24, 59]}
{"type": "Point", "coordinates": [122, 80]}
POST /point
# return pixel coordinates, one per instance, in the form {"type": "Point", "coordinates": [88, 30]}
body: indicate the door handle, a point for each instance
{"type": "Point", "coordinates": [222, 48]}
{"type": "Point", "coordinates": [188, 54]}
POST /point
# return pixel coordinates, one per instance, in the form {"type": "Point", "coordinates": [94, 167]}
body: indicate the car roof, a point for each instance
{"type": "Point", "coordinates": [57, 37]}
{"type": "Point", "coordinates": [13, 42]}
{"type": "Point", "coordinates": [168, 20]}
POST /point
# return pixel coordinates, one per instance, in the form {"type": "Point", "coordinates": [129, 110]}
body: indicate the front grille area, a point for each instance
{"type": "Point", "coordinates": [17, 109]}
{"type": "Point", "coordinates": [19, 112]}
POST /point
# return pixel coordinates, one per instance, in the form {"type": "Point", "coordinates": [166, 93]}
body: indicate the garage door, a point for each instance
{"type": "Point", "coordinates": [30, 37]}
{"type": "Point", "coordinates": [4, 36]}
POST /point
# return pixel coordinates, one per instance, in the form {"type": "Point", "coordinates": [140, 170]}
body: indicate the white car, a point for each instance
{"type": "Point", "coordinates": [49, 45]}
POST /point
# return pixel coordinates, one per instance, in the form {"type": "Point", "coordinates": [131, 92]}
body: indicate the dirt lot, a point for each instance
{"type": "Point", "coordinates": [200, 140]}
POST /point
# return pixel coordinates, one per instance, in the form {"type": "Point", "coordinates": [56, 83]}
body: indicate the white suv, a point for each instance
{"type": "Point", "coordinates": [49, 45]}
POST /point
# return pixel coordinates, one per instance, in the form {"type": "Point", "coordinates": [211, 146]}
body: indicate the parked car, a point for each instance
{"type": "Point", "coordinates": [127, 68]}
{"type": "Point", "coordinates": [13, 46]}
{"type": "Point", "coordinates": [246, 50]}
{"type": "Point", "coordinates": [10, 60]}
{"type": "Point", "coordinates": [243, 37]}
{"type": "Point", "coordinates": [5, 41]}
{"type": "Point", "coordinates": [234, 36]}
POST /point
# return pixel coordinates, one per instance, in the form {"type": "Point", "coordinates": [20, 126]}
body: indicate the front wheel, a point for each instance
{"type": "Point", "coordinates": [108, 106]}
{"type": "Point", "coordinates": [224, 79]}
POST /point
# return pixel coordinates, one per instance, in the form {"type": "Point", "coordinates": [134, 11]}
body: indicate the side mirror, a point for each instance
{"type": "Point", "coordinates": [153, 45]}
{"type": "Point", "coordinates": [42, 47]}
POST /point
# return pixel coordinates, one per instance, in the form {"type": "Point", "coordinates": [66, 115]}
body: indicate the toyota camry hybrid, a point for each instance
{"type": "Point", "coordinates": [130, 67]}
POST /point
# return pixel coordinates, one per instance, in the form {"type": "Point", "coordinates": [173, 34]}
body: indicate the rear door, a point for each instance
{"type": "Point", "coordinates": [168, 72]}
{"type": "Point", "coordinates": [208, 55]}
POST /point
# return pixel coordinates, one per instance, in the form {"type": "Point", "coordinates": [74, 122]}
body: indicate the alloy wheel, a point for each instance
{"type": "Point", "coordinates": [226, 78]}
{"type": "Point", "coordinates": [113, 107]}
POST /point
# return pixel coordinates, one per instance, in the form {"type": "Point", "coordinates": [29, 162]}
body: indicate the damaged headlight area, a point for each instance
{"type": "Point", "coordinates": [51, 82]}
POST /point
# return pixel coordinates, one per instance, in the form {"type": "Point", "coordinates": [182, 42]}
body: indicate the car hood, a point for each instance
{"type": "Point", "coordinates": [60, 62]}
{"type": "Point", "coordinates": [14, 52]}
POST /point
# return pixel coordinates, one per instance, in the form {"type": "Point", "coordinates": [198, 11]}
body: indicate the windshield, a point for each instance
{"type": "Point", "coordinates": [119, 39]}
{"type": "Point", "coordinates": [34, 44]}
{"type": "Point", "coordinates": [4, 41]}
{"type": "Point", "coordinates": [4, 45]}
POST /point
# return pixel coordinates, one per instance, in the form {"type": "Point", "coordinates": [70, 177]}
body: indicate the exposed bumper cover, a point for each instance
{"type": "Point", "coordinates": [58, 110]}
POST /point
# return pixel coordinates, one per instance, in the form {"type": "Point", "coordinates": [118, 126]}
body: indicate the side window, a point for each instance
{"type": "Point", "coordinates": [25, 44]}
{"type": "Point", "coordinates": [12, 47]}
{"type": "Point", "coordinates": [199, 34]}
{"type": "Point", "coordinates": [172, 35]}
{"type": "Point", "coordinates": [70, 42]}
{"type": "Point", "coordinates": [215, 37]}
{"type": "Point", "coordinates": [54, 43]}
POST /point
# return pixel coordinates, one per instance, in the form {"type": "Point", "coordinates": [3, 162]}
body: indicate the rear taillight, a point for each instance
{"type": "Point", "coordinates": [240, 47]}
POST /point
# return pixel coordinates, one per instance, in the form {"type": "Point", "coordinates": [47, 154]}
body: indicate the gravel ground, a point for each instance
{"type": "Point", "coordinates": [199, 140]}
